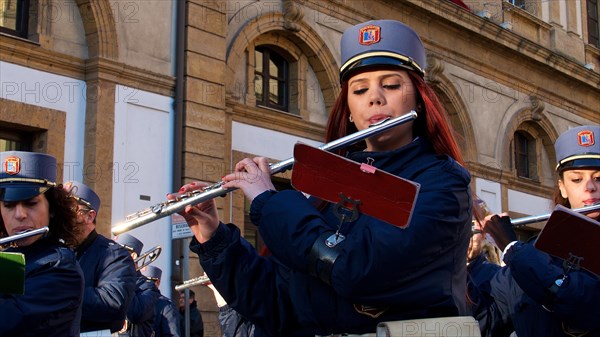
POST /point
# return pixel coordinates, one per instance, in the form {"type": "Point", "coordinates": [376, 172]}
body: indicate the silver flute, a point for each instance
{"type": "Point", "coordinates": [196, 281]}
{"type": "Point", "coordinates": [169, 207]}
{"type": "Point", "coordinates": [538, 218]}
{"type": "Point", "coordinates": [23, 235]}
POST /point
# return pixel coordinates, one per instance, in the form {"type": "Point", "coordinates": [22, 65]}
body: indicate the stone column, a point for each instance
{"type": "Point", "coordinates": [572, 17]}
{"type": "Point", "coordinates": [99, 146]}
{"type": "Point", "coordinates": [554, 13]}
{"type": "Point", "coordinates": [206, 145]}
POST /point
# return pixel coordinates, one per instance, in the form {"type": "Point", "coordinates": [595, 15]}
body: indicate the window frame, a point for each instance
{"type": "Point", "coordinates": [22, 138]}
{"type": "Point", "coordinates": [525, 152]}
{"type": "Point", "coordinates": [22, 24]}
{"type": "Point", "coordinates": [518, 3]}
{"type": "Point", "coordinates": [593, 23]}
{"type": "Point", "coordinates": [267, 53]}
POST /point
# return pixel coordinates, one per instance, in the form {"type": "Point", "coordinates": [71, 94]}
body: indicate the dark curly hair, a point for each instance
{"type": "Point", "coordinates": [63, 217]}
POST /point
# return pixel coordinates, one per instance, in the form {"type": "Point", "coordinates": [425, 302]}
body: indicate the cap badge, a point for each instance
{"type": "Point", "coordinates": [369, 35]}
{"type": "Point", "coordinates": [12, 165]}
{"type": "Point", "coordinates": [585, 138]}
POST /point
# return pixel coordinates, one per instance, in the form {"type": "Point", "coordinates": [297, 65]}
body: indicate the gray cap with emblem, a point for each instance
{"type": "Point", "coordinates": [380, 43]}
{"type": "Point", "coordinates": [25, 175]}
{"type": "Point", "coordinates": [578, 147]}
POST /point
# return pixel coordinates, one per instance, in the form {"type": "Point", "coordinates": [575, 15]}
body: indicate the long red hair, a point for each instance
{"type": "Point", "coordinates": [431, 122]}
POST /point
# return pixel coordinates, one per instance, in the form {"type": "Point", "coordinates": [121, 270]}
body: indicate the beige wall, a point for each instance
{"type": "Point", "coordinates": [61, 27]}
{"type": "Point", "coordinates": [146, 34]}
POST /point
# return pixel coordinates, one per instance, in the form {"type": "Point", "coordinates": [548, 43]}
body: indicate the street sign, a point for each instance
{"type": "Point", "coordinates": [180, 228]}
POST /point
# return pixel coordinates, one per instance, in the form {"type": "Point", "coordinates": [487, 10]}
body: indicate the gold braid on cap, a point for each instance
{"type": "Point", "coordinates": [408, 60]}
{"type": "Point", "coordinates": [29, 180]}
{"type": "Point", "coordinates": [83, 201]}
{"type": "Point", "coordinates": [579, 156]}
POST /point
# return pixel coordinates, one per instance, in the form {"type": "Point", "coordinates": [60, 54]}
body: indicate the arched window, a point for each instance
{"type": "Point", "coordinates": [14, 17]}
{"type": "Point", "coordinates": [271, 79]}
{"type": "Point", "coordinates": [525, 155]}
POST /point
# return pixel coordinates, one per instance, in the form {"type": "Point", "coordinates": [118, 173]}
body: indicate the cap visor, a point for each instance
{"type": "Point", "coordinates": [372, 63]}
{"type": "Point", "coordinates": [10, 194]}
{"type": "Point", "coordinates": [580, 163]}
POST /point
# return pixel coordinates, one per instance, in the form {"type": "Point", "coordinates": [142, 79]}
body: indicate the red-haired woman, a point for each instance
{"type": "Point", "coordinates": [379, 272]}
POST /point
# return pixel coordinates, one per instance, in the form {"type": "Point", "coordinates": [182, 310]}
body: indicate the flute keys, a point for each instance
{"type": "Point", "coordinates": [156, 209]}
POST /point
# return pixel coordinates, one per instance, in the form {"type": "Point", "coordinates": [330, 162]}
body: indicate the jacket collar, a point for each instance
{"type": "Point", "coordinates": [394, 159]}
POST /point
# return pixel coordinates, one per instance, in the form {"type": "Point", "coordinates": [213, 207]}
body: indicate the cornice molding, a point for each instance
{"type": "Point", "coordinates": [508, 180]}
{"type": "Point", "coordinates": [496, 35]}
{"type": "Point", "coordinates": [275, 120]}
{"type": "Point", "coordinates": [117, 72]}
{"type": "Point", "coordinates": [32, 55]}
{"type": "Point", "coordinates": [443, 10]}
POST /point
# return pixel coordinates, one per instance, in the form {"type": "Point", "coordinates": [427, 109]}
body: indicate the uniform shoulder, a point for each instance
{"type": "Point", "coordinates": [48, 252]}
{"type": "Point", "coordinates": [103, 241]}
{"type": "Point", "coordinates": [103, 246]}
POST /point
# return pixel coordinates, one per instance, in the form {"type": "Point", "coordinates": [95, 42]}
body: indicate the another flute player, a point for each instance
{"type": "Point", "coordinates": [537, 294]}
{"type": "Point", "coordinates": [30, 199]}
{"type": "Point", "coordinates": [380, 272]}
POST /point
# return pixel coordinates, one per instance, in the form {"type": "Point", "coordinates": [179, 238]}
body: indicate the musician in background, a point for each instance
{"type": "Point", "coordinates": [166, 316]}
{"type": "Point", "coordinates": [231, 322]}
{"type": "Point", "coordinates": [140, 314]}
{"type": "Point", "coordinates": [196, 322]}
{"type": "Point", "coordinates": [378, 272]}
{"type": "Point", "coordinates": [30, 199]}
{"type": "Point", "coordinates": [479, 266]}
{"type": "Point", "coordinates": [537, 294]}
{"type": "Point", "coordinates": [107, 268]}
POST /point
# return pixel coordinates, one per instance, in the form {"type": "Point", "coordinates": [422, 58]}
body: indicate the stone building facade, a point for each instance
{"type": "Point", "coordinates": [137, 97]}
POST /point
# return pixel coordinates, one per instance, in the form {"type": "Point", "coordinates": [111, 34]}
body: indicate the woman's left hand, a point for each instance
{"type": "Point", "coordinates": [253, 176]}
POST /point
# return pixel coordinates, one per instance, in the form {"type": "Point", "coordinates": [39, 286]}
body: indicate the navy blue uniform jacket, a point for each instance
{"type": "Point", "coordinates": [481, 270]}
{"type": "Point", "coordinates": [140, 315]}
{"type": "Point", "coordinates": [480, 273]}
{"type": "Point", "coordinates": [196, 322]}
{"type": "Point", "coordinates": [110, 277]}
{"type": "Point", "coordinates": [166, 318]}
{"type": "Point", "coordinates": [51, 305]}
{"type": "Point", "coordinates": [520, 289]}
{"type": "Point", "coordinates": [383, 272]}
{"type": "Point", "coordinates": [234, 325]}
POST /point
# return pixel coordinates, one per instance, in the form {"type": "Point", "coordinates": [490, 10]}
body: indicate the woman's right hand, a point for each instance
{"type": "Point", "coordinates": [202, 218]}
{"type": "Point", "coordinates": [500, 228]}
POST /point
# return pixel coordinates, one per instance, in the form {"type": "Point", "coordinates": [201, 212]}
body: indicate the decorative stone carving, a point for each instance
{"type": "Point", "coordinates": [435, 67]}
{"type": "Point", "coordinates": [537, 107]}
{"type": "Point", "coordinates": [292, 14]}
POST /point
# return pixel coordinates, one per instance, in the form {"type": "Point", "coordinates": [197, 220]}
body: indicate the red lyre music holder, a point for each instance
{"type": "Point", "coordinates": [572, 237]}
{"type": "Point", "coordinates": [339, 180]}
